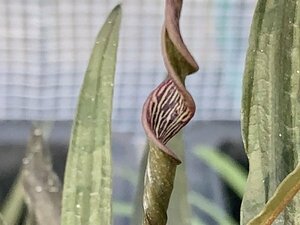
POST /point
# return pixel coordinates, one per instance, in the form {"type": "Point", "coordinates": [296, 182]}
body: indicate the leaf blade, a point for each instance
{"type": "Point", "coordinates": [288, 188]}
{"type": "Point", "coordinates": [232, 173]}
{"type": "Point", "coordinates": [270, 105]}
{"type": "Point", "coordinates": [87, 189]}
{"type": "Point", "coordinates": [211, 209]}
{"type": "Point", "coordinates": [14, 203]}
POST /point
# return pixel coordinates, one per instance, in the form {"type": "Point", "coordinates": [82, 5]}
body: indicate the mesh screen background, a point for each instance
{"type": "Point", "coordinates": [45, 46]}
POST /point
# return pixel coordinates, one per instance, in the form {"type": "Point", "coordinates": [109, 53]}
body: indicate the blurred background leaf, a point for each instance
{"type": "Point", "coordinates": [2, 220]}
{"type": "Point", "coordinates": [228, 169]}
{"type": "Point", "coordinates": [179, 211]}
{"type": "Point", "coordinates": [13, 205]}
{"type": "Point", "coordinates": [29, 218]}
{"type": "Point", "coordinates": [124, 209]}
{"type": "Point", "coordinates": [42, 188]}
{"type": "Point", "coordinates": [210, 208]}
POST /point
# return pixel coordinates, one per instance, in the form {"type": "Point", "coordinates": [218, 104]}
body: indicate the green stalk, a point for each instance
{"type": "Point", "coordinates": [87, 189]}
{"type": "Point", "coordinates": [271, 106]}
{"type": "Point", "coordinates": [168, 108]}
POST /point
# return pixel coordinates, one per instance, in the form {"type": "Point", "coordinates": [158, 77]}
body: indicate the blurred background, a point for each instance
{"type": "Point", "coordinates": [44, 50]}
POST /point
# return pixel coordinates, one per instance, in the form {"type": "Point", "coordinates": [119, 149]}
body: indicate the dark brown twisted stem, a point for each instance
{"type": "Point", "coordinates": [167, 109]}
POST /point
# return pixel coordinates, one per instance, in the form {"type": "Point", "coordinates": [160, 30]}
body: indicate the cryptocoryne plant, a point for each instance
{"type": "Point", "coordinates": [167, 109]}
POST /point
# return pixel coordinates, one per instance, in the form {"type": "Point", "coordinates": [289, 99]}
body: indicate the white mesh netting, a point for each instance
{"type": "Point", "coordinates": [45, 46]}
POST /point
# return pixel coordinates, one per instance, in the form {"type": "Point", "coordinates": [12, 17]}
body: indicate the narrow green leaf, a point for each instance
{"type": "Point", "coordinates": [42, 188]}
{"type": "Point", "coordinates": [2, 220]}
{"type": "Point", "coordinates": [197, 221]}
{"type": "Point", "coordinates": [288, 188]}
{"type": "Point", "coordinates": [232, 173]}
{"type": "Point", "coordinates": [179, 212]}
{"type": "Point", "coordinates": [211, 209]}
{"type": "Point", "coordinates": [87, 189]}
{"type": "Point", "coordinates": [14, 203]}
{"type": "Point", "coordinates": [123, 209]}
{"type": "Point", "coordinates": [271, 106]}
{"type": "Point", "coordinates": [127, 174]}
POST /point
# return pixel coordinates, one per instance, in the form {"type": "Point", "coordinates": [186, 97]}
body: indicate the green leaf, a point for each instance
{"type": "Point", "coordinates": [87, 189]}
{"type": "Point", "coordinates": [197, 221]}
{"type": "Point", "coordinates": [14, 203]}
{"type": "Point", "coordinates": [127, 174]}
{"type": "Point", "coordinates": [179, 212]}
{"type": "Point", "coordinates": [271, 106]}
{"type": "Point", "coordinates": [232, 173]}
{"type": "Point", "coordinates": [2, 220]}
{"type": "Point", "coordinates": [288, 188]}
{"type": "Point", "coordinates": [123, 209]}
{"type": "Point", "coordinates": [42, 188]}
{"type": "Point", "coordinates": [211, 209]}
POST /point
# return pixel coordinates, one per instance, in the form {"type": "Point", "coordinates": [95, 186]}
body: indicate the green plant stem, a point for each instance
{"type": "Point", "coordinates": [159, 179]}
